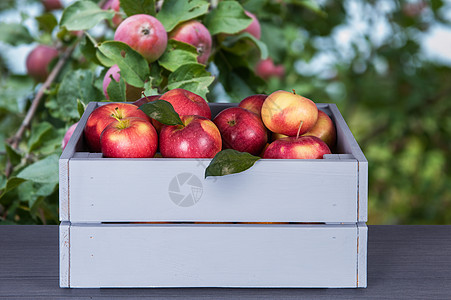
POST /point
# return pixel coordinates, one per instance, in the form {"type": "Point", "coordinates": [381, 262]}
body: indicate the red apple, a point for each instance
{"type": "Point", "coordinates": [194, 33]}
{"type": "Point", "coordinates": [50, 5]}
{"type": "Point", "coordinates": [185, 103]}
{"type": "Point", "coordinates": [38, 61]}
{"type": "Point", "coordinates": [324, 129]}
{"type": "Point", "coordinates": [254, 27]}
{"type": "Point", "coordinates": [114, 5]}
{"type": "Point", "coordinates": [241, 130]}
{"type": "Point", "coordinates": [146, 99]}
{"type": "Point", "coordinates": [266, 69]}
{"type": "Point", "coordinates": [287, 113]}
{"type": "Point", "coordinates": [303, 147]}
{"type": "Point", "coordinates": [102, 116]}
{"type": "Point", "coordinates": [198, 138]}
{"type": "Point", "coordinates": [253, 103]}
{"type": "Point", "coordinates": [143, 33]}
{"type": "Point", "coordinates": [68, 135]}
{"type": "Point", "coordinates": [129, 137]}
{"type": "Point", "coordinates": [131, 92]}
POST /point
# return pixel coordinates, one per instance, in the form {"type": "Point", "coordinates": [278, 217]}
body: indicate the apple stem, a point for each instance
{"type": "Point", "coordinates": [299, 129]}
{"type": "Point", "coordinates": [294, 92]}
{"type": "Point", "coordinates": [144, 95]}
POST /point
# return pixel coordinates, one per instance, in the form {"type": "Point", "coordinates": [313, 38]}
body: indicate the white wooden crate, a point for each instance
{"type": "Point", "coordinates": [96, 190]}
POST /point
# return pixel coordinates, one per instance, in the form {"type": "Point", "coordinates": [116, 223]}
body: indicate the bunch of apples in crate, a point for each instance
{"type": "Point", "coordinates": [282, 125]}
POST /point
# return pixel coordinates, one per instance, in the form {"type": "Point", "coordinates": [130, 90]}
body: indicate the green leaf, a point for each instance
{"type": "Point", "coordinates": [312, 5]}
{"type": "Point", "coordinates": [42, 171]}
{"type": "Point", "coordinates": [134, 67]}
{"type": "Point", "coordinates": [76, 85]}
{"type": "Point", "coordinates": [83, 15]}
{"type": "Point", "coordinates": [15, 34]}
{"type": "Point", "coordinates": [47, 22]}
{"type": "Point", "coordinates": [178, 54]}
{"type": "Point", "coordinates": [81, 107]}
{"type": "Point", "coordinates": [191, 77]}
{"type": "Point", "coordinates": [38, 133]}
{"type": "Point", "coordinates": [228, 17]}
{"type": "Point", "coordinates": [13, 155]}
{"type": "Point", "coordinates": [174, 12]}
{"type": "Point", "coordinates": [88, 48]}
{"type": "Point", "coordinates": [162, 111]}
{"type": "Point", "coordinates": [230, 161]}
{"type": "Point", "coordinates": [238, 43]}
{"type": "Point", "coordinates": [135, 7]}
{"type": "Point", "coordinates": [116, 90]}
{"type": "Point", "coordinates": [11, 184]}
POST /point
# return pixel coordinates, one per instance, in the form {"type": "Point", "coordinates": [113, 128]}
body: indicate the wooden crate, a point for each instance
{"type": "Point", "coordinates": [100, 197]}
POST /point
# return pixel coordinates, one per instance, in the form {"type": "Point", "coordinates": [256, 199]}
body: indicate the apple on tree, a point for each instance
{"type": "Point", "coordinates": [68, 135]}
{"type": "Point", "coordinates": [129, 138]}
{"type": "Point", "coordinates": [194, 33]}
{"type": "Point", "coordinates": [102, 116]}
{"type": "Point", "coordinates": [241, 130]}
{"type": "Point", "coordinates": [144, 34]}
{"type": "Point", "coordinates": [198, 137]}
{"type": "Point", "coordinates": [253, 28]}
{"type": "Point", "coordinates": [266, 69]}
{"type": "Point", "coordinates": [289, 114]}
{"type": "Point", "coordinates": [38, 61]}
{"type": "Point", "coordinates": [131, 92]}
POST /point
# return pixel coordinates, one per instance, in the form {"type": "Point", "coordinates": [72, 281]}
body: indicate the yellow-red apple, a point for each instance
{"type": "Point", "coordinates": [324, 129]}
{"type": "Point", "coordinates": [287, 113]}
{"type": "Point", "coordinates": [253, 103]}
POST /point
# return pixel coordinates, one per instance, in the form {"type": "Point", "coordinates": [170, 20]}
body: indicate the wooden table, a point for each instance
{"type": "Point", "coordinates": [404, 262]}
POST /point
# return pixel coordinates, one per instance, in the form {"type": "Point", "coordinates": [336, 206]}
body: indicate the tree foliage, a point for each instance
{"type": "Point", "coordinates": [365, 56]}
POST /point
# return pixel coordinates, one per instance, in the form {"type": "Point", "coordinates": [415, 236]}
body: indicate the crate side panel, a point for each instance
{"type": "Point", "coordinates": [64, 254]}
{"type": "Point", "coordinates": [362, 255]}
{"type": "Point", "coordinates": [213, 256]}
{"type": "Point", "coordinates": [111, 190]}
{"type": "Point", "coordinates": [346, 143]}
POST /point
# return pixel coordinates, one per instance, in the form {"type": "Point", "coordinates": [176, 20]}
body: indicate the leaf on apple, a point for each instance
{"type": "Point", "coordinates": [230, 161]}
{"type": "Point", "coordinates": [178, 54]}
{"type": "Point", "coordinates": [162, 111]}
{"type": "Point", "coordinates": [227, 17]}
{"type": "Point", "coordinates": [83, 15]}
{"type": "Point", "coordinates": [135, 7]}
{"type": "Point", "coordinates": [42, 171]}
{"type": "Point", "coordinates": [88, 48]}
{"type": "Point", "coordinates": [117, 90]}
{"type": "Point", "coordinates": [174, 12]}
{"type": "Point", "coordinates": [134, 67]}
{"type": "Point", "coordinates": [191, 77]}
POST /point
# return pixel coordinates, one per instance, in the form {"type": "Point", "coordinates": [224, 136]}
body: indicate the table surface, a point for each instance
{"type": "Point", "coordinates": [404, 262]}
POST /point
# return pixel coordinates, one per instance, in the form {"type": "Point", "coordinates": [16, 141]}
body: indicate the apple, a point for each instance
{"type": "Point", "coordinates": [324, 129]}
{"type": "Point", "coordinates": [194, 33]}
{"type": "Point", "coordinates": [253, 103]}
{"type": "Point", "coordinates": [287, 113]}
{"type": "Point", "coordinates": [266, 69]}
{"type": "Point", "coordinates": [254, 28]}
{"type": "Point", "coordinates": [146, 99]}
{"type": "Point", "coordinates": [197, 138]}
{"type": "Point", "coordinates": [114, 5]}
{"type": "Point", "coordinates": [303, 147]}
{"type": "Point", "coordinates": [102, 116]}
{"type": "Point", "coordinates": [241, 130]}
{"type": "Point", "coordinates": [276, 136]}
{"type": "Point", "coordinates": [38, 61]}
{"type": "Point", "coordinates": [185, 103]}
{"type": "Point", "coordinates": [143, 33]}
{"type": "Point", "coordinates": [50, 5]}
{"type": "Point", "coordinates": [131, 92]}
{"type": "Point", "coordinates": [68, 135]}
{"type": "Point", "coordinates": [129, 137]}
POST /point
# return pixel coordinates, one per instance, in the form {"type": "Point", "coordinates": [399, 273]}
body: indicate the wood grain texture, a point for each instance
{"type": "Point", "coordinates": [213, 255]}
{"type": "Point", "coordinates": [404, 262]}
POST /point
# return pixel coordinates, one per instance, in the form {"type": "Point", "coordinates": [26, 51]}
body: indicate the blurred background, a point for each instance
{"type": "Point", "coordinates": [385, 63]}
